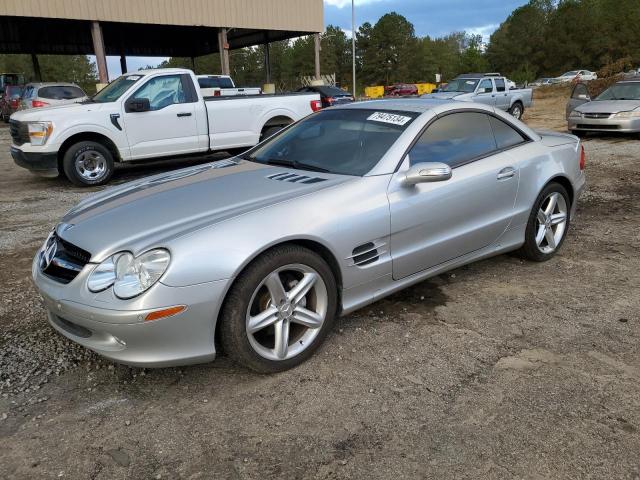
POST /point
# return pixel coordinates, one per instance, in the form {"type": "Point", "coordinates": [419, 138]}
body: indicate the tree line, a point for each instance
{"type": "Point", "coordinates": [541, 38]}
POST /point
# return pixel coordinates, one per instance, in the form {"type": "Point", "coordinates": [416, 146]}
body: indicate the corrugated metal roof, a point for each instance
{"type": "Point", "coordinates": [291, 15]}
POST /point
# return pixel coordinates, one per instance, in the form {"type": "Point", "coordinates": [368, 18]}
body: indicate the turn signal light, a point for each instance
{"type": "Point", "coordinates": [583, 159]}
{"type": "Point", "coordinates": [38, 103]}
{"type": "Point", "coordinates": [164, 313]}
{"type": "Point", "coordinates": [315, 105]}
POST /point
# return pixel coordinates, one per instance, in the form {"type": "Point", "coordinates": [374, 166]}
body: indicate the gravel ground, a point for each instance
{"type": "Point", "coordinates": [501, 369]}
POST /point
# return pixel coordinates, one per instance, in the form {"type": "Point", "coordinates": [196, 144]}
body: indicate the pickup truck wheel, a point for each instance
{"type": "Point", "coordinates": [517, 110]}
{"type": "Point", "coordinates": [269, 132]}
{"type": "Point", "coordinates": [279, 310]}
{"type": "Point", "coordinates": [88, 163]}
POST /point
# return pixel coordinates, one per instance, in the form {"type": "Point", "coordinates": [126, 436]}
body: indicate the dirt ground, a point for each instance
{"type": "Point", "coordinates": [501, 369]}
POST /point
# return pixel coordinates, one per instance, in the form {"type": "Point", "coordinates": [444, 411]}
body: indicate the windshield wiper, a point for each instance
{"type": "Point", "coordinates": [295, 164]}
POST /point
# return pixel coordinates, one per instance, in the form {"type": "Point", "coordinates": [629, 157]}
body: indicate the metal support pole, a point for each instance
{"type": "Point", "coordinates": [316, 39]}
{"type": "Point", "coordinates": [223, 47]}
{"type": "Point", "coordinates": [98, 49]}
{"type": "Point", "coordinates": [353, 46]}
{"type": "Point", "coordinates": [36, 67]}
{"type": "Point", "coordinates": [193, 64]}
{"type": "Point", "coordinates": [267, 62]}
{"type": "Point", "coordinates": [123, 63]}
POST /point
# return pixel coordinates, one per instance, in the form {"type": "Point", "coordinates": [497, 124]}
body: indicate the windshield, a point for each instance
{"type": "Point", "coordinates": [466, 85]}
{"type": "Point", "coordinates": [343, 141]}
{"type": "Point", "coordinates": [621, 91]}
{"type": "Point", "coordinates": [572, 73]}
{"type": "Point", "coordinates": [115, 89]}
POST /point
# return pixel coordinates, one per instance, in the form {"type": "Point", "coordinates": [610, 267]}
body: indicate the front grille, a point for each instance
{"type": "Point", "coordinates": [19, 132]}
{"type": "Point", "coordinates": [596, 115]}
{"type": "Point", "coordinates": [64, 261]}
{"type": "Point", "coordinates": [598, 127]}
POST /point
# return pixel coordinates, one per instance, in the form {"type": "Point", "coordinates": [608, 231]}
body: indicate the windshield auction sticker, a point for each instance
{"type": "Point", "coordinates": [391, 118]}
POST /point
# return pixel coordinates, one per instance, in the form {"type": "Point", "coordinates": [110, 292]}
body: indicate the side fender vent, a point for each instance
{"type": "Point", "coordinates": [295, 178]}
{"type": "Point", "coordinates": [365, 254]}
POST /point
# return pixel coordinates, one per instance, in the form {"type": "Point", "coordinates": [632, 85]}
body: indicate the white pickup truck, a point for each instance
{"type": "Point", "coordinates": [146, 115]}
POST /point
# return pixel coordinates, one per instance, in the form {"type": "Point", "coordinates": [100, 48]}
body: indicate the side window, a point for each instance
{"type": "Point", "coordinates": [486, 86]}
{"type": "Point", "coordinates": [580, 91]}
{"type": "Point", "coordinates": [163, 91]}
{"type": "Point", "coordinates": [506, 135]}
{"type": "Point", "coordinates": [500, 84]}
{"type": "Point", "coordinates": [455, 139]}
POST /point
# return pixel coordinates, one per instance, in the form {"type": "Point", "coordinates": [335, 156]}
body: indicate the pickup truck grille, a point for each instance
{"type": "Point", "coordinates": [19, 132]}
{"type": "Point", "coordinates": [62, 261]}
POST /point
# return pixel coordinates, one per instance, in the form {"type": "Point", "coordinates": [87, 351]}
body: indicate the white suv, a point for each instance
{"type": "Point", "coordinates": [36, 95]}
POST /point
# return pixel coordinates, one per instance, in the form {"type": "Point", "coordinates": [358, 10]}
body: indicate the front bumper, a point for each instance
{"type": "Point", "coordinates": [621, 125]}
{"type": "Point", "coordinates": [116, 329]}
{"type": "Point", "coordinates": [40, 162]}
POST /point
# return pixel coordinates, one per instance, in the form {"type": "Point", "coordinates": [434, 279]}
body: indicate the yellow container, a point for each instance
{"type": "Point", "coordinates": [374, 92]}
{"type": "Point", "coordinates": [425, 88]}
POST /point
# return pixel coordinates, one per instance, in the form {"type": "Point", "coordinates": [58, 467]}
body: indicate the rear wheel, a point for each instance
{"type": "Point", "coordinates": [88, 163]}
{"type": "Point", "coordinates": [270, 131]}
{"type": "Point", "coordinates": [279, 310]}
{"type": "Point", "coordinates": [548, 224]}
{"type": "Point", "coordinates": [517, 110]}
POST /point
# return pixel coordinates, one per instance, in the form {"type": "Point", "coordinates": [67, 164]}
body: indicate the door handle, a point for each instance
{"type": "Point", "coordinates": [507, 172]}
{"type": "Point", "coordinates": [185, 114]}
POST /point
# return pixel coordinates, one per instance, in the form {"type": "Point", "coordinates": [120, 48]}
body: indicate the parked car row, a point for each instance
{"type": "Point", "coordinates": [38, 95]}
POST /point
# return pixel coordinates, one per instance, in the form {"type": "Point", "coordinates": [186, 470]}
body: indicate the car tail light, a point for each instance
{"type": "Point", "coordinates": [14, 102]}
{"type": "Point", "coordinates": [583, 159]}
{"type": "Point", "coordinates": [330, 100]}
{"type": "Point", "coordinates": [38, 103]}
{"type": "Point", "coordinates": [216, 93]}
{"type": "Point", "coordinates": [315, 105]}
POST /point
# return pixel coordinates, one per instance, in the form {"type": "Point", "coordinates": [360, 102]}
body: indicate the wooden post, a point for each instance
{"type": "Point", "coordinates": [98, 48]}
{"type": "Point", "coordinates": [193, 64]}
{"type": "Point", "coordinates": [123, 63]}
{"type": "Point", "coordinates": [223, 47]}
{"type": "Point", "coordinates": [36, 67]}
{"type": "Point", "coordinates": [267, 62]}
{"type": "Point", "coordinates": [317, 52]}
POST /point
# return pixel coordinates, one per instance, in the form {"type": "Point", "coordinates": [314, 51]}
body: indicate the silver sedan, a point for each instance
{"type": "Point", "coordinates": [258, 254]}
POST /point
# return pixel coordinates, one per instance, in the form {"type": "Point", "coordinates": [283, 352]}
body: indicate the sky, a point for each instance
{"type": "Point", "coordinates": [435, 18]}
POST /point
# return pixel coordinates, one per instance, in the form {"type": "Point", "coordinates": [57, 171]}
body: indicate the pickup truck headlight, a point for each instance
{"type": "Point", "coordinates": [631, 114]}
{"type": "Point", "coordinates": [575, 114]}
{"type": "Point", "coordinates": [129, 275]}
{"type": "Point", "coordinates": [39, 132]}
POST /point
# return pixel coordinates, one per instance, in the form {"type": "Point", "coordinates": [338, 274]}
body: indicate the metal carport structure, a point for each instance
{"type": "Point", "coordinates": [186, 28]}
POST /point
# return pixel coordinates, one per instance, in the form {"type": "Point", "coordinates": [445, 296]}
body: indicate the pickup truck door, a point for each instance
{"type": "Point", "coordinates": [432, 223]}
{"type": "Point", "coordinates": [503, 99]}
{"type": "Point", "coordinates": [169, 127]}
{"type": "Point", "coordinates": [579, 96]}
{"type": "Point", "coordinates": [485, 93]}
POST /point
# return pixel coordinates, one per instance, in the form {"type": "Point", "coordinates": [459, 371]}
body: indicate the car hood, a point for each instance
{"type": "Point", "coordinates": [55, 112]}
{"type": "Point", "coordinates": [608, 106]}
{"type": "Point", "coordinates": [443, 95]}
{"type": "Point", "coordinates": [150, 212]}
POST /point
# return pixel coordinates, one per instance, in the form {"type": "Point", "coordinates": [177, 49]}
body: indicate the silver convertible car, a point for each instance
{"type": "Point", "coordinates": [256, 255]}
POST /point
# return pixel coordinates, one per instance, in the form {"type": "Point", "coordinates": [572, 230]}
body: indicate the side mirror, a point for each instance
{"type": "Point", "coordinates": [486, 90]}
{"type": "Point", "coordinates": [426, 172]}
{"type": "Point", "coordinates": [137, 105]}
{"type": "Point", "coordinates": [584, 96]}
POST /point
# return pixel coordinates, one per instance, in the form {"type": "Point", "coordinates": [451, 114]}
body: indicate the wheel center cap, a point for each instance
{"type": "Point", "coordinates": [286, 309]}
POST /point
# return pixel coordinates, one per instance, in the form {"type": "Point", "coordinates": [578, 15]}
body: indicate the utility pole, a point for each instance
{"type": "Point", "coordinates": [316, 39]}
{"type": "Point", "coordinates": [353, 45]}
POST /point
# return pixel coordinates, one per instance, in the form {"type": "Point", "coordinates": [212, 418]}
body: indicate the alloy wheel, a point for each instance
{"type": "Point", "coordinates": [551, 222]}
{"type": "Point", "coordinates": [286, 312]}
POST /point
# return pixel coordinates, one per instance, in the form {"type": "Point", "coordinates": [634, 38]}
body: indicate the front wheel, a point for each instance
{"type": "Point", "coordinates": [279, 310]}
{"type": "Point", "coordinates": [517, 110]}
{"type": "Point", "coordinates": [88, 163]}
{"type": "Point", "coordinates": [548, 224]}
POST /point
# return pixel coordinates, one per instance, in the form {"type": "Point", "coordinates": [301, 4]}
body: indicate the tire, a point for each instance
{"type": "Point", "coordinates": [539, 245]}
{"type": "Point", "coordinates": [269, 132]}
{"type": "Point", "coordinates": [250, 297]}
{"type": "Point", "coordinates": [517, 110]}
{"type": "Point", "coordinates": [88, 163]}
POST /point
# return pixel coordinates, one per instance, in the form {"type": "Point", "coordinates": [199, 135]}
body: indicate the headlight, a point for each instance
{"type": "Point", "coordinates": [632, 114]}
{"type": "Point", "coordinates": [39, 132]}
{"type": "Point", "coordinates": [129, 275]}
{"type": "Point", "coordinates": [575, 114]}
